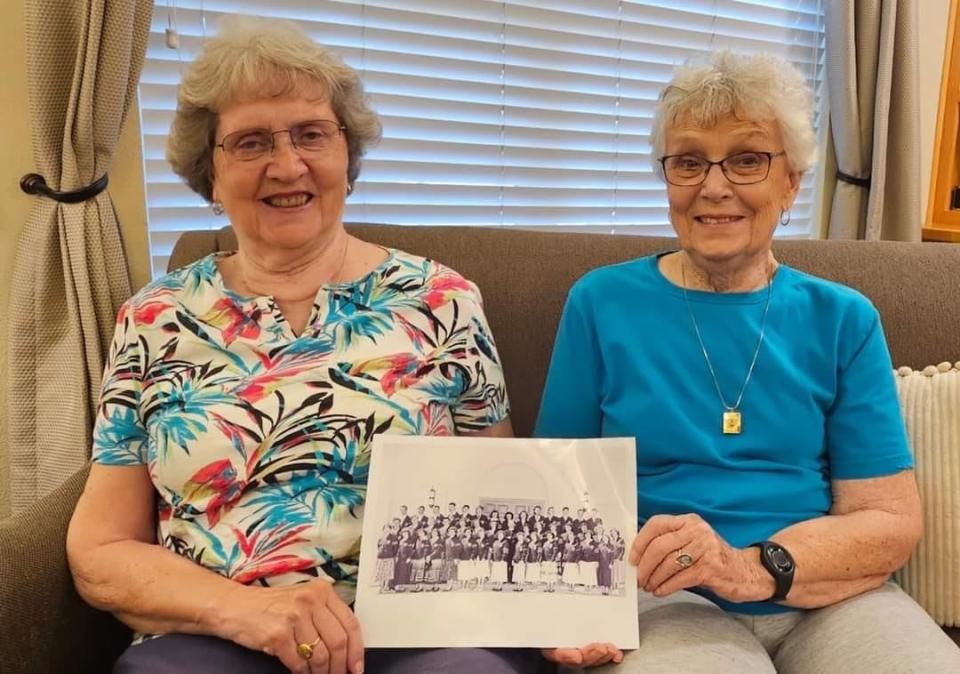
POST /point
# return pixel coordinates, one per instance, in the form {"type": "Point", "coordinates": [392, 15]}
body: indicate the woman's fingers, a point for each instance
{"type": "Point", "coordinates": [591, 655]}
{"type": "Point", "coordinates": [672, 563]}
{"type": "Point", "coordinates": [287, 654]}
{"type": "Point", "coordinates": [595, 655]}
{"type": "Point", "coordinates": [334, 637]}
{"type": "Point", "coordinates": [320, 660]}
{"type": "Point", "coordinates": [661, 540]}
{"type": "Point", "coordinates": [306, 634]}
{"type": "Point", "coordinates": [563, 656]}
{"type": "Point", "coordinates": [659, 553]}
{"type": "Point", "coordinates": [308, 619]}
{"type": "Point", "coordinates": [351, 627]}
{"type": "Point", "coordinates": [685, 578]}
{"type": "Point", "coordinates": [281, 642]}
{"type": "Point", "coordinates": [654, 527]}
{"type": "Point", "coordinates": [339, 630]}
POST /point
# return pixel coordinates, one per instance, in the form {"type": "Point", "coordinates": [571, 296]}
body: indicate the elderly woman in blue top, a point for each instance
{"type": "Point", "coordinates": [775, 484]}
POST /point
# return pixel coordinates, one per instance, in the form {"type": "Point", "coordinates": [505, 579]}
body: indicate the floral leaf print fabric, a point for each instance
{"type": "Point", "coordinates": [258, 440]}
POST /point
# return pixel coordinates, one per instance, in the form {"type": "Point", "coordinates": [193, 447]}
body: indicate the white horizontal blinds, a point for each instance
{"type": "Point", "coordinates": [530, 113]}
{"type": "Point", "coordinates": [172, 208]}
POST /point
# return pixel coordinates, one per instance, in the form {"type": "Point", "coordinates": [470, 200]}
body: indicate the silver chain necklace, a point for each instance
{"type": "Point", "coordinates": [732, 421]}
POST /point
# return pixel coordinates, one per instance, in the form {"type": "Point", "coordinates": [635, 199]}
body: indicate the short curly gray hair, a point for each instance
{"type": "Point", "coordinates": [261, 58]}
{"type": "Point", "coordinates": [753, 86]}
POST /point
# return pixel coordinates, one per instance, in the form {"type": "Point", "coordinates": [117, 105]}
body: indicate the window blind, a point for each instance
{"type": "Point", "coordinates": [529, 113]}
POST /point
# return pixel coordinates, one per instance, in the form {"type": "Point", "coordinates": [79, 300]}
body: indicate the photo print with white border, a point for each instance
{"type": "Point", "coordinates": [514, 542]}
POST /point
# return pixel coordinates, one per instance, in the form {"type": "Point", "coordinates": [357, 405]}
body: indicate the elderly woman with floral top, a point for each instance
{"type": "Point", "coordinates": [222, 513]}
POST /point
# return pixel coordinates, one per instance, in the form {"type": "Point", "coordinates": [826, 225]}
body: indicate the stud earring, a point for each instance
{"type": "Point", "coordinates": [217, 208]}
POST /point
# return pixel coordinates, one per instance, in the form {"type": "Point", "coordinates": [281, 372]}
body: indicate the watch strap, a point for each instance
{"type": "Point", "coordinates": [782, 573]}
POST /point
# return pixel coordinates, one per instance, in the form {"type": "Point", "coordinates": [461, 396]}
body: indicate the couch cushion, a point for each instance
{"type": "Point", "coordinates": [931, 408]}
{"type": "Point", "coordinates": [524, 277]}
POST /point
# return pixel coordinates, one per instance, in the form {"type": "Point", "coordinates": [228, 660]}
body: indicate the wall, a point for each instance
{"type": "Point", "coordinates": [126, 186]}
{"type": "Point", "coordinates": [932, 28]}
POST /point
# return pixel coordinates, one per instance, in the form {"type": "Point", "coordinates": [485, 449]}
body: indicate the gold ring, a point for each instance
{"type": "Point", "coordinates": [305, 651]}
{"type": "Point", "coordinates": [683, 559]}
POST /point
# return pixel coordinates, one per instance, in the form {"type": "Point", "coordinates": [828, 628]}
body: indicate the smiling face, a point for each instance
{"type": "Point", "coordinates": [718, 222]}
{"type": "Point", "coordinates": [287, 199]}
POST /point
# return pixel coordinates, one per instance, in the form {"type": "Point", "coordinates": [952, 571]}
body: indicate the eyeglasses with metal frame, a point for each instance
{"type": "Point", "coordinates": [313, 136]}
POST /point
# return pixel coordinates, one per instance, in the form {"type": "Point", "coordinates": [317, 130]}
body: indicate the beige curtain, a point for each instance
{"type": "Point", "coordinates": [872, 77]}
{"type": "Point", "coordinates": [70, 275]}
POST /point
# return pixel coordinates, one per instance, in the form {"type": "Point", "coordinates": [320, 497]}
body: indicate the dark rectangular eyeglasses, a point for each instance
{"type": "Point", "coordinates": [742, 168]}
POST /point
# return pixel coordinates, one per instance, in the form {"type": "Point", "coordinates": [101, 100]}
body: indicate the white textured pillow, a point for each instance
{"type": "Point", "coordinates": [930, 400]}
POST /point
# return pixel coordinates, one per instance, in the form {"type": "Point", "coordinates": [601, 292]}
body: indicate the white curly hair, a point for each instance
{"type": "Point", "coordinates": [758, 87]}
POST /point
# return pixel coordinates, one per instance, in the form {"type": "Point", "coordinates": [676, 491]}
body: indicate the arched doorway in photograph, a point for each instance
{"type": "Point", "coordinates": [514, 505]}
{"type": "Point", "coordinates": [512, 486]}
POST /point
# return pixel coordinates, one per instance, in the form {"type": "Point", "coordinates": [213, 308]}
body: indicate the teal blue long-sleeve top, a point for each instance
{"type": "Point", "coordinates": [821, 404]}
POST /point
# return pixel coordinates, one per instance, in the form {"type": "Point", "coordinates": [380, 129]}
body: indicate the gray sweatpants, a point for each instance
{"type": "Point", "coordinates": [878, 632]}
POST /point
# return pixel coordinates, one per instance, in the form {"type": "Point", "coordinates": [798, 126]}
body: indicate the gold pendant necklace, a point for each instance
{"type": "Point", "coordinates": [732, 422]}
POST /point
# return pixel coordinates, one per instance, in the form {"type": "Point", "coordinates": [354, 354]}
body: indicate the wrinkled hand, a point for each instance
{"type": "Point", "coordinates": [276, 619]}
{"type": "Point", "coordinates": [591, 655]}
{"type": "Point", "coordinates": [661, 546]}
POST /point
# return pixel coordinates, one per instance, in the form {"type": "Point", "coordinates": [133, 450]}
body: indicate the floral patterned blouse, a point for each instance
{"type": "Point", "coordinates": [257, 440]}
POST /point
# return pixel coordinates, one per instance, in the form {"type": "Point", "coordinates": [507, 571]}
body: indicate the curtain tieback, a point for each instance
{"type": "Point", "coordinates": [34, 183]}
{"type": "Point", "coordinates": [854, 180]}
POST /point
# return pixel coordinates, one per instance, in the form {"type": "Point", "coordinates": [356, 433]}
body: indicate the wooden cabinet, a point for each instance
{"type": "Point", "coordinates": [943, 222]}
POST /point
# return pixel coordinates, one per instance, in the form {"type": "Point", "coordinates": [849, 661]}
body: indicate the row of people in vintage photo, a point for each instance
{"type": "Point", "coordinates": [534, 519]}
{"type": "Point", "coordinates": [465, 554]}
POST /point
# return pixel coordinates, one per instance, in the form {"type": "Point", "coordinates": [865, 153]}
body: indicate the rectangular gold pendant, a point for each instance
{"type": "Point", "coordinates": [731, 423]}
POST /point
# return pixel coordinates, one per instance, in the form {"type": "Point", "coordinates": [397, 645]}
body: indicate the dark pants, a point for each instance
{"type": "Point", "coordinates": [179, 653]}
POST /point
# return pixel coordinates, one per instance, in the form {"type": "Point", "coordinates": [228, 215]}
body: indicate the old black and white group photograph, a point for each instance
{"type": "Point", "coordinates": [468, 529]}
{"type": "Point", "coordinates": [499, 548]}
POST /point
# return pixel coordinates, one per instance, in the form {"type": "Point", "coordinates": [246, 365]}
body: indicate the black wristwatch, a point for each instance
{"type": "Point", "coordinates": [779, 563]}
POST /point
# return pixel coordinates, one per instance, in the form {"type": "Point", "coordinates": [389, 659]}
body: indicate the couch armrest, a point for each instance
{"type": "Point", "coordinates": [46, 627]}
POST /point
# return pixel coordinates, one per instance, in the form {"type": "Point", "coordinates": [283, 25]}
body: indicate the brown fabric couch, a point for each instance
{"type": "Point", "coordinates": [524, 277]}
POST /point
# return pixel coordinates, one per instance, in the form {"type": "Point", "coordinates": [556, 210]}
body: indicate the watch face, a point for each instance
{"type": "Point", "coordinates": [781, 559]}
